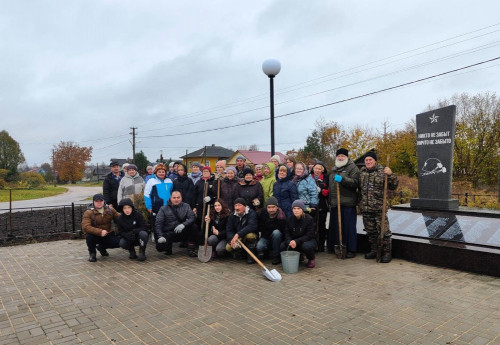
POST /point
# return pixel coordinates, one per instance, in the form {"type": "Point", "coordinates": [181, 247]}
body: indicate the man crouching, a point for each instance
{"type": "Point", "coordinates": [96, 224]}
{"type": "Point", "coordinates": [175, 222]}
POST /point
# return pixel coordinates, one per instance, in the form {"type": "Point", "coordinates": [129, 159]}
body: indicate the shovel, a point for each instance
{"type": "Point", "coordinates": [340, 249]}
{"type": "Point", "coordinates": [205, 252]}
{"type": "Point", "coordinates": [272, 275]}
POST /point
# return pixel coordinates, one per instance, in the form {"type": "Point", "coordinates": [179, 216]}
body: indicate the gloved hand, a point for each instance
{"type": "Point", "coordinates": [162, 240]}
{"type": "Point", "coordinates": [325, 192]}
{"type": "Point", "coordinates": [207, 199]}
{"type": "Point", "coordinates": [318, 189]}
{"type": "Point", "coordinates": [338, 178]}
{"type": "Point", "coordinates": [178, 229]}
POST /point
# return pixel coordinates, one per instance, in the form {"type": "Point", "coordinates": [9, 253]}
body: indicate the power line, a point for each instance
{"type": "Point", "coordinates": [328, 104]}
{"type": "Point", "coordinates": [472, 50]}
{"type": "Point", "coordinates": [282, 91]}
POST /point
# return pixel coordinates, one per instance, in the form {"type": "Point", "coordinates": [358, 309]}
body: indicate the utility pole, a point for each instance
{"type": "Point", "coordinates": [133, 143]}
{"type": "Point", "coordinates": [54, 168]}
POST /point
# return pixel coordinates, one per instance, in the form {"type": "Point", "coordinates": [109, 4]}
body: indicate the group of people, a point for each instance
{"type": "Point", "coordinates": [278, 206]}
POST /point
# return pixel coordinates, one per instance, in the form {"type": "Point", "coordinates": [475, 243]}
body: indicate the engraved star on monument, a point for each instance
{"type": "Point", "coordinates": [434, 118]}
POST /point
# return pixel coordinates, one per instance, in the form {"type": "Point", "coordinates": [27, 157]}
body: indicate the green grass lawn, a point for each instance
{"type": "Point", "coordinates": [27, 194]}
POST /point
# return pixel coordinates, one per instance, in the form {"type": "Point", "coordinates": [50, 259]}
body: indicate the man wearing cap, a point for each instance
{"type": "Point", "coordinates": [272, 222]}
{"type": "Point", "coordinates": [345, 174]}
{"type": "Point", "coordinates": [372, 179]}
{"type": "Point", "coordinates": [175, 222]}
{"type": "Point", "coordinates": [241, 224]}
{"type": "Point", "coordinates": [131, 184]}
{"type": "Point", "coordinates": [157, 191]}
{"type": "Point", "coordinates": [96, 224]}
{"type": "Point", "coordinates": [240, 166]}
{"type": "Point", "coordinates": [111, 183]}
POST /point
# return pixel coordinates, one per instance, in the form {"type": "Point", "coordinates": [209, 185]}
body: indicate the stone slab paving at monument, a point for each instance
{"type": "Point", "coordinates": [50, 294]}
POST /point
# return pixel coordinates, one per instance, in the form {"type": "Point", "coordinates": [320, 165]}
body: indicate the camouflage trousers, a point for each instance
{"type": "Point", "coordinates": [373, 223]}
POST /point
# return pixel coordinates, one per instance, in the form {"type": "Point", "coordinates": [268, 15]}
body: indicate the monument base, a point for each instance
{"type": "Point", "coordinates": [434, 204]}
{"type": "Point", "coordinates": [467, 239]}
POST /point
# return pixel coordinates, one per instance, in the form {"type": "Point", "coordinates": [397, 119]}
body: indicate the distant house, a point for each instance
{"type": "Point", "coordinates": [208, 155]}
{"type": "Point", "coordinates": [121, 161]}
{"type": "Point", "coordinates": [254, 157]}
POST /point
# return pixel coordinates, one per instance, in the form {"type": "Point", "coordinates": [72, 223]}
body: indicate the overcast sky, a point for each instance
{"type": "Point", "coordinates": [87, 71]}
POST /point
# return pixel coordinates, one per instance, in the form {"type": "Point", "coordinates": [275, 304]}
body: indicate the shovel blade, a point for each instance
{"type": "Point", "coordinates": [204, 253]}
{"type": "Point", "coordinates": [340, 251]}
{"type": "Point", "coordinates": [272, 275]}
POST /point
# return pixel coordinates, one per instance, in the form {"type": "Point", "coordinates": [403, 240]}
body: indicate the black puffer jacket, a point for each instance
{"type": "Point", "coordinates": [220, 223]}
{"type": "Point", "coordinates": [300, 230]}
{"type": "Point", "coordinates": [199, 193]}
{"type": "Point", "coordinates": [267, 224]}
{"type": "Point", "coordinates": [184, 185]}
{"type": "Point", "coordinates": [250, 191]}
{"type": "Point", "coordinates": [130, 226]}
{"type": "Point", "coordinates": [166, 219]}
{"type": "Point", "coordinates": [110, 188]}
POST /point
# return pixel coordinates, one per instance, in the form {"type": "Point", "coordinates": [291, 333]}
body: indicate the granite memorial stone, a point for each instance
{"type": "Point", "coordinates": [435, 139]}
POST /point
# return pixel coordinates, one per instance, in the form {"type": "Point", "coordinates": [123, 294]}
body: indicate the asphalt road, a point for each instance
{"type": "Point", "coordinates": [74, 194]}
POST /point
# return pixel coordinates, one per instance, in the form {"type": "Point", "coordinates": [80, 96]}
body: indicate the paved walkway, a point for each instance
{"type": "Point", "coordinates": [50, 294]}
{"type": "Point", "coordinates": [74, 194]}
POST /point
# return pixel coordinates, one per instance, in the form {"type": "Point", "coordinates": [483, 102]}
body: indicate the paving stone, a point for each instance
{"type": "Point", "coordinates": [64, 299]}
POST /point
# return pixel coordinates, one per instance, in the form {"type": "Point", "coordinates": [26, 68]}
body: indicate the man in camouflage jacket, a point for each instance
{"type": "Point", "coordinates": [372, 178]}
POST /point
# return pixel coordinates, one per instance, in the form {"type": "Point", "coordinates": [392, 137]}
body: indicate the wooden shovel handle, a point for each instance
{"type": "Point", "coordinates": [339, 213]}
{"type": "Point", "coordinates": [207, 224]}
{"type": "Point", "coordinates": [251, 254]}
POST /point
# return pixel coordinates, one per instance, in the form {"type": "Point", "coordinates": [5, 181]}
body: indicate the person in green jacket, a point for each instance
{"type": "Point", "coordinates": [268, 179]}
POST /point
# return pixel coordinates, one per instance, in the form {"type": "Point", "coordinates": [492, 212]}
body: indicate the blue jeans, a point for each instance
{"type": "Point", "coordinates": [274, 242]}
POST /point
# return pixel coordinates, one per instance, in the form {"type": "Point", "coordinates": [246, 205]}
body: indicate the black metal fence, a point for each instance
{"type": "Point", "coordinates": [40, 223]}
{"type": "Point", "coordinates": [463, 198]}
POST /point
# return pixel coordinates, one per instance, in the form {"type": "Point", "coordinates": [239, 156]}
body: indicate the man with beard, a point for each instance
{"type": "Point", "coordinates": [241, 224]}
{"type": "Point", "coordinates": [272, 221]}
{"type": "Point", "coordinates": [345, 174]}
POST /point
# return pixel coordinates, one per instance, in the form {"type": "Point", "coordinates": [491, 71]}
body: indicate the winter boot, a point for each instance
{"type": "Point", "coordinates": [372, 254]}
{"type": "Point", "coordinates": [276, 260]}
{"type": "Point", "coordinates": [261, 255]}
{"type": "Point", "coordinates": [191, 250]}
{"type": "Point", "coordinates": [142, 250]}
{"type": "Point", "coordinates": [101, 250]}
{"type": "Point", "coordinates": [311, 263]}
{"type": "Point", "coordinates": [133, 254]}
{"type": "Point", "coordinates": [386, 251]}
{"type": "Point", "coordinates": [92, 257]}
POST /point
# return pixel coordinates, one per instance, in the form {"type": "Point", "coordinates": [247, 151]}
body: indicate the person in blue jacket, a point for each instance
{"type": "Point", "coordinates": [306, 186]}
{"type": "Point", "coordinates": [157, 191]}
{"type": "Point", "coordinates": [284, 189]}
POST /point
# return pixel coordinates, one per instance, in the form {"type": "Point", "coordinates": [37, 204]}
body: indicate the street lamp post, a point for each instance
{"type": "Point", "coordinates": [271, 68]}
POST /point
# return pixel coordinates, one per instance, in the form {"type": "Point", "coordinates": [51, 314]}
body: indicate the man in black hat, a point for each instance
{"type": "Point", "coordinates": [96, 224]}
{"type": "Point", "coordinates": [272, 221]}
{"type": "Point", "coordinates": [372, 179]}
{"type": "Point", "coordinates": [345, 174]}
{"type": "Point", "coordinates": [111, 183]}
{"type": "Point", "coordinates": [241, 224]}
